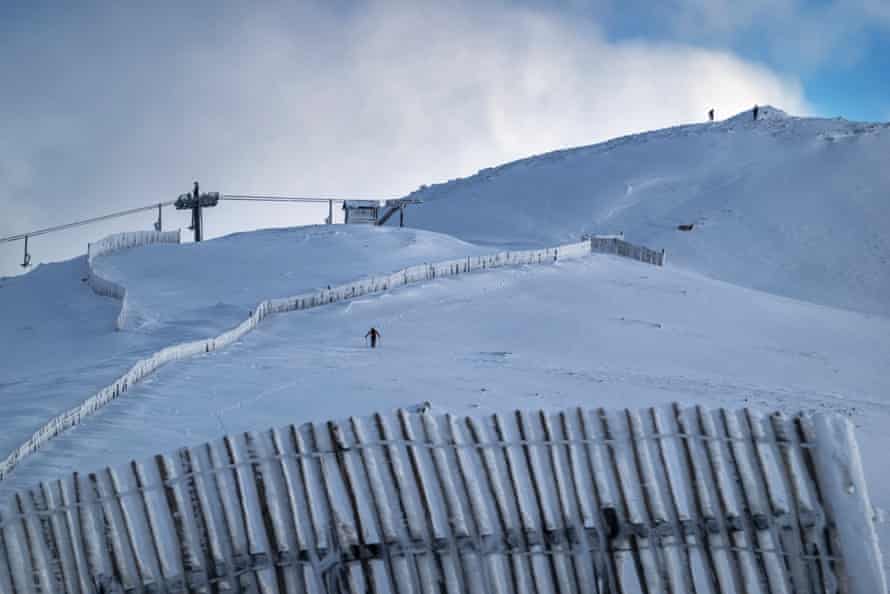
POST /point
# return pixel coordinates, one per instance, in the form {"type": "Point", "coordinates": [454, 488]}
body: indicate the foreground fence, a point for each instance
{"type": "Point", "coordinates": [370, 285]}
{"type": "Point", "coordinates": [577, 501]}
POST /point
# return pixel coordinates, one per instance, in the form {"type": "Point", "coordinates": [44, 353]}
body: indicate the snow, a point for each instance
{"type": "Point", "coordinates": [795, 206]}
{"type": "Point", "coordinates": [65, 346]}
{"type": "Point", "coordinates": [195, 285]}
{"type": "Point", "coordinates": [601, 331]}
{"type": "Point", "coordinates": [843, 480]}
{"type": "Point", "coordinates": [115, 243]}
{"type": "Point", "coordinates": [775, 300]}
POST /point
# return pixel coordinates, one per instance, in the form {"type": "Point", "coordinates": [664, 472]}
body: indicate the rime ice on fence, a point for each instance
{"type": "Point", "coordinates": [573, 501]}
{"type": "Point", "coordinates": [114, 243]}
{"type": "Point", "coordinates": [375, 284]}
{"type": "Point", "coordinates": [616, 245]}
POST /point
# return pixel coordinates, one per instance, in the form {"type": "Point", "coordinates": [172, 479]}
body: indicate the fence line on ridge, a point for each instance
{"type": "Point", "coordinates": [369, 285]}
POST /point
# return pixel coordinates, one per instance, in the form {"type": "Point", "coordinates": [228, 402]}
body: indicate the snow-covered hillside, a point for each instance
{"type": "Point", "coordinates": [59, 340]}
{"type": "Point", "coordinates": [782, 207]}
{"type": "Point", "coordinates": [212, 285]}
{"type": "Point", "coordinates": [794, 206]}
{"type": "Point", "coordinates": [601, 331]}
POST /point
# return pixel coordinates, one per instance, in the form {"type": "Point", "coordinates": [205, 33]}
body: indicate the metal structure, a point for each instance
{"type": "Point", "coordinates": [159, 224]}
{"type": "Point", "coordinates": [26, 261]}
{"type": "Point", "coordinates": [329, 220]}
{"type": "Point", "coordinates": [187, 202]}
{"type": "Point", "coordinates": [197, 202]}
{"type": "Point", "coordinates": [665, 500]}
{"type": "Point", "coordinates": [361, 212]}
{"type": "Point", "coordinates": [376, 212]}
{"type": "Point", "coordinates": [397, 206]}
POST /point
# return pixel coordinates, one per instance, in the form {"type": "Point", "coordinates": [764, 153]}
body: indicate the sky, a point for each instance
{"type": "Point", "coordinates": [108, 106]}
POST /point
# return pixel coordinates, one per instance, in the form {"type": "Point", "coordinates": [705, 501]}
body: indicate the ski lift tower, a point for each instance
{"type": "Point", "coordinates": [196, 201]}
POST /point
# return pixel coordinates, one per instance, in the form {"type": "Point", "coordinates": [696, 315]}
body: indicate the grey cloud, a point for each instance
{"type": "Point", "coordinates": [118, 107]}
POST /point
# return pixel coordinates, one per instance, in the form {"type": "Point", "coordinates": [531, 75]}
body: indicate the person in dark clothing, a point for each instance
{"type": "Point", "coordinates": [756, 111]}
{"type": "Point", "coordinates": [195, 191]}
{"type": "Point", "coordinates": [711, 115]}
{"type": "Point", "coordinates": [374, 334]}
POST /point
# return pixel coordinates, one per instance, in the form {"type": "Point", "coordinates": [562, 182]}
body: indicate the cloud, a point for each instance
{"type": "Point", "coordinates": [798, 35]}
{"type": "Point", "coordinates": [123, 107]}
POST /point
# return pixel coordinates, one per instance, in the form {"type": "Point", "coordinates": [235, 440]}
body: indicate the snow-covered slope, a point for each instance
{"type": "Point", "coordinates": [601, 331]}
{"type": "Point", "coordinates": [211, 286]}
{"type": "Point", "coordinates": [58, 345]}
{"type": "Point", "coordinates": [59, 340]}
{"type": "Point", "coordinates": [794, 206]}
{"type": "Point", "coordinates": [797, 207]}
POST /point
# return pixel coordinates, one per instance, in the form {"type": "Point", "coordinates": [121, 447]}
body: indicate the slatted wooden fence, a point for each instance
{"type": "Point", "coordinates": [666, 500]}
{"type": "Point", "coordinates": [617, 245]}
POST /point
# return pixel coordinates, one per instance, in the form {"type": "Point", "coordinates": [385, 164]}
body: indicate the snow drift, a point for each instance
{"type": "Point", "coordinates": [114, 243]}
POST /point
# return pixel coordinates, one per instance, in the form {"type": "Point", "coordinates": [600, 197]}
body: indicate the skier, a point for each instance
{"type": "Point", "coordinates": [195, 191]}
{"type": "Point", "coordinates": [374, 334]}
{"type": "Point", "coordinates": [711, 115]}
{"type": "Point", "coordinates": [756, 111]}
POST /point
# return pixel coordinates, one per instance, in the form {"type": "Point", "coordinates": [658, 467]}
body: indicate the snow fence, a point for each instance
{"type": "Point", "coordinates": [665, 500]}
{"type": "Point", "coordinates": [617, 245]}
{"type": "Point", "coordinates": [374, 284]}
{"type": "Point", "coordinates": [114, 243]}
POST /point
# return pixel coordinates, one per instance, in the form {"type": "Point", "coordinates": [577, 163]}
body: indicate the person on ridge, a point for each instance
{"type": "Point", "coordinates": [195, 191]}
{"type": "Point", "coordinates": [711, 115]}
{"type": "Point", "coordinates": [756, 111]}
{"type": "Point", "coordinates": [374, 334]}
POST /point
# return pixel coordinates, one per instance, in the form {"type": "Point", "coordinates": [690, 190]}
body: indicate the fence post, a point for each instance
{"type": "Point", "coordinates": [842, 480]}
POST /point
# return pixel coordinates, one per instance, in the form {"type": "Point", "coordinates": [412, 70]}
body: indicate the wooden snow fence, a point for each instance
{"type": "Point", "coordinates": [666, 500]}
{"type": "Point", "coordinates": [616, 245]}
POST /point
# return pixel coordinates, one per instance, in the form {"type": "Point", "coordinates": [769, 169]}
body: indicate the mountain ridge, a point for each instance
{"type": "Point", "coordinates": [796, 206]}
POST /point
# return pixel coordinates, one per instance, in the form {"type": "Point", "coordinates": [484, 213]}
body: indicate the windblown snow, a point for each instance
{"type": "Point", "coordinates": [775, 299]}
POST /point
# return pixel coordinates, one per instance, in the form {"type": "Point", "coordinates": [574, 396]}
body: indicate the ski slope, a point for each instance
{"type": "Point", "coordinates": [63, 345]}
{"type": "Point", "coordinates": [602, 331]}
{"type": "Point", "coordinates": [794, 206]}
{"type": "Point", "coordinates": [775, 299]}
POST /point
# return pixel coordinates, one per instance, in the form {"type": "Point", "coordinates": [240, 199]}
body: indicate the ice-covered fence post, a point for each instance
{"type": "Point", "coordinates": [842, 482]}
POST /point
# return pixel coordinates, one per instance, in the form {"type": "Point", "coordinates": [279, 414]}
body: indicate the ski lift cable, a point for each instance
{"type": "Point", "coordinates": [253, 198]}
{"type": "Point", "coordinates": [80, 223]}
{"type": "Point", "coordinates": [123, 213]}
